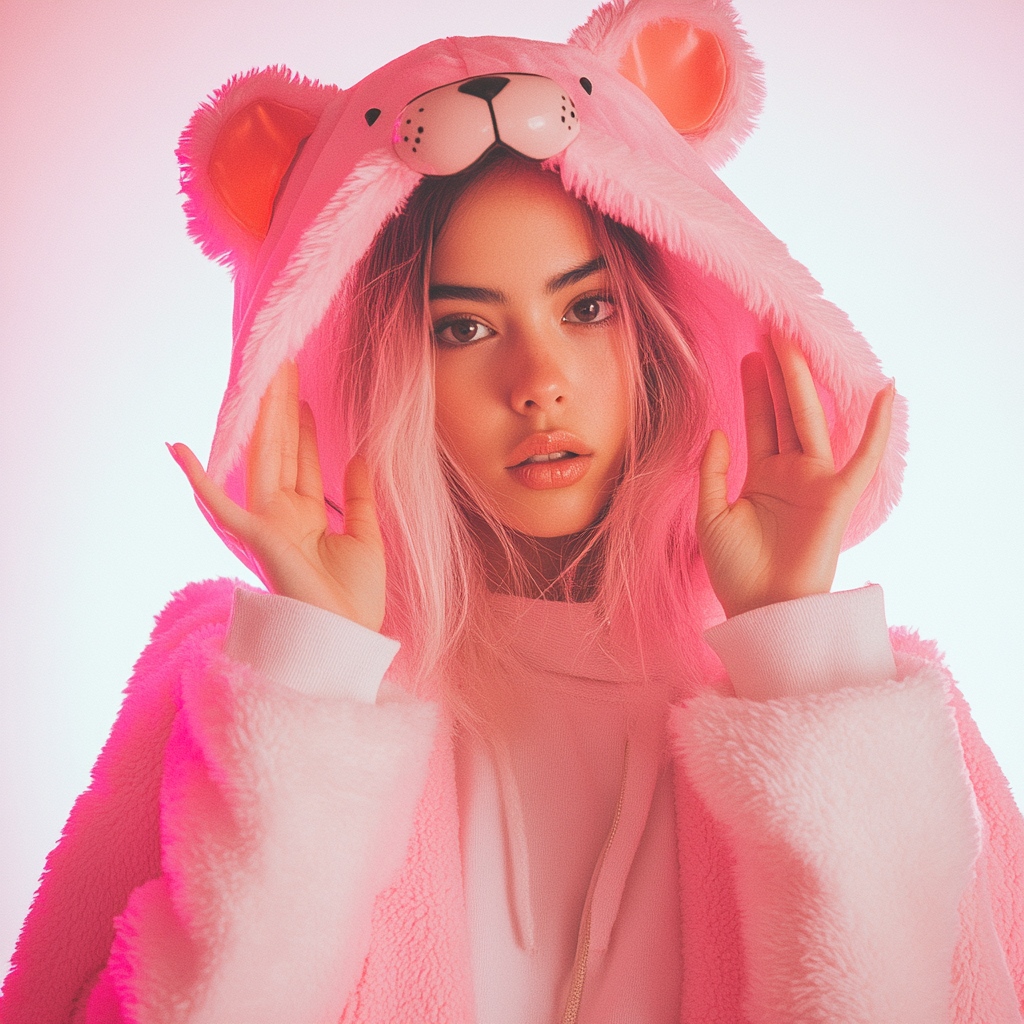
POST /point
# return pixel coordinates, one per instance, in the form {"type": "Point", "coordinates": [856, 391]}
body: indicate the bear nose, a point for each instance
{"type": "Point", "coordinates": [486, 88]}
{"type": "Point", "coordinates": [447, 129]}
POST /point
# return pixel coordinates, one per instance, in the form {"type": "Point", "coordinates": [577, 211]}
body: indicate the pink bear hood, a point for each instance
{"type": "Point", "coordinates": [346, 179]}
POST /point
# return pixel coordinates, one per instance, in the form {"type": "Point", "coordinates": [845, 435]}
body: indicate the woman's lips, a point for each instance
{"type": "Point", "coordinates": [542, 476]}
{"type": "Point", "coordinates": [571, 462]}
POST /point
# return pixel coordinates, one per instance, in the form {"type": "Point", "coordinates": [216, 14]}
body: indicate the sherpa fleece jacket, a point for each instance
{"type": "Point", "coordinates": [251, 853]}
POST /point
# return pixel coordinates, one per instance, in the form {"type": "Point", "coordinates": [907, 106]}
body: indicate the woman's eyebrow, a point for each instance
{"type": "Point", "coordinates": [465, 292]}
{"type": "Point", "coordinates": [470, 294]}
{"type": "Point", "coordinates": [578, 274]}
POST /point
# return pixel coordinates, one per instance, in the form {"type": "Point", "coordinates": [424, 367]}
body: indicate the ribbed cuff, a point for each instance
{"type": "Point", "coordinates": [307, 648]}
{"type": "Point", "coordinates": [810, 645]}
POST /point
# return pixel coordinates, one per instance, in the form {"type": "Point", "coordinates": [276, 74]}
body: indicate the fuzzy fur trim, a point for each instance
{"type": "Point", "coordinates": [988, 969]}
{"type": "Point", "coordinates": [282, 817]}
{"type": "Point", "coordinates": [302, 294]}
{"type": "Point", "coordinates": [610, 29]}
{"type": "Point", "coordinates": [714, 970]}
{"type": "Point", "coordinates": [425, 910]}
{"type": "Point", "coordinates": [221, 237]}
{"type": "Point", "coordinates": [856, 834]}
{"type": "Point", "coordinates": [725, 242]}
{"type": "Point", "coordinates": [111, 842]}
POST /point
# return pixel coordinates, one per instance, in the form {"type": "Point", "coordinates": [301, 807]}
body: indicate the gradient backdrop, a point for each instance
{"type": "Point", "coordinates": [889, 158]}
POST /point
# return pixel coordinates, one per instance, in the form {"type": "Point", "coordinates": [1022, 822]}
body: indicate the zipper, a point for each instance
{"type": "Point", "coordinates": [579, 967]}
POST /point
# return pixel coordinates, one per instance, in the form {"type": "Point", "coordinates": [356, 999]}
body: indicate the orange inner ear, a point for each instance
{"type": "Point", "coordinates": [681, 68]}
{"type": "Point", "coordinates": [253, 152]}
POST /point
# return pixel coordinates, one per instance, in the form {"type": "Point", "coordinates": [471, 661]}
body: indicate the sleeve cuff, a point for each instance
{"type": "Point", "coordinates": [813, 644]}
{"type": "Point", "coordinates": [307, 648]}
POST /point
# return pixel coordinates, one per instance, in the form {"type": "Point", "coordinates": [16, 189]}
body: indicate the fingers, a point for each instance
{"type": "Point", "coordinates": [714, 469]}
{"type": "Point", "coordinates": [288, 425]}
{"type": "Point", "coordinates": [228, 516]}
{"type": "Point", "coordinates": [308, 480]}
{"type": "Point", "coordinates": [857, 473]}
{"type": "Point", "coordinates": [808, 417]}
{"type": "Point", "coordinates": [273, 451]}
{"type": "Point", "coordinates": [758, 410]}
{"type": "Point", "coordinates": [360, 508]}
{"type": "Point", "coordinates": [788, 440]}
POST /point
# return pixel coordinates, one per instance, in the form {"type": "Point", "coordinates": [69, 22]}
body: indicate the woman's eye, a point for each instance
{"type": "Point", "coordinates": [590, 310]}
{"type": "Point", "coordinates": [462, 332]}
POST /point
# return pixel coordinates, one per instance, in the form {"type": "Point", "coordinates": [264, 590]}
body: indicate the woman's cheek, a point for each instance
{"type": "Point", "coordinates": [464, 420]}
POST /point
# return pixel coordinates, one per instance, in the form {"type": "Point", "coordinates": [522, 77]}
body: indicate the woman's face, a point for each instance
{"type": "Point", "coordinates": [530, 378]}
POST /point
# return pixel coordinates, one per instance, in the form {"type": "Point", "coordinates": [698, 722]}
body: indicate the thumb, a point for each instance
{"type": "Point", "coordinates": [360, 509]}
{"type": "Point", "coordinates": [714, 467]}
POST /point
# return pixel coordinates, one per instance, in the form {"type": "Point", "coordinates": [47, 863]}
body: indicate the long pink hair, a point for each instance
{"type": "Point", "coordinates": [639, 562]}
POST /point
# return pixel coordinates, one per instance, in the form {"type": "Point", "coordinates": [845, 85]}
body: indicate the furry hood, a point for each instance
{"type": "Point", "coordinates": [289, 181]}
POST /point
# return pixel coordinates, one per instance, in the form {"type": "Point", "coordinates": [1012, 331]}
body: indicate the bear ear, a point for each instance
{"type": "Point", "coordinates": [237, 152]}
{"type": "Point", "coordinates": [691, 59]}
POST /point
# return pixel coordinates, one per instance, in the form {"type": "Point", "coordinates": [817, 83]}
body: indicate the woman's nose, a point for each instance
{"type": "Point", "coordinates": [537, 375]}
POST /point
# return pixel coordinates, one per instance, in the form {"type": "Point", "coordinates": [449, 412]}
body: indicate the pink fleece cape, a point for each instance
{"type": "Point", "coordinates": [413, 963]}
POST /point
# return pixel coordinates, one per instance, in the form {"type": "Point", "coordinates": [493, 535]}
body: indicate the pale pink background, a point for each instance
{"type": "Point", "coordinates": [889, 158]}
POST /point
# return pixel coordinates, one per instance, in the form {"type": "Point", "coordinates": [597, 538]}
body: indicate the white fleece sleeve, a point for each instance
{"type": "Point", "coordinates": [284, 811]}
{"type": "Point", "coordinates": [811, 645]}
{"type": "Point", "coordinates": [848, 808]}
{"type": "Point", "coordinates": [306, 648]}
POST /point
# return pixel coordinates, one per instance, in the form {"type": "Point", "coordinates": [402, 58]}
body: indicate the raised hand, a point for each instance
{"type": "Point", "coordinates": [284, 523]}
{"type": "Point", "coordinates": [780, 539]}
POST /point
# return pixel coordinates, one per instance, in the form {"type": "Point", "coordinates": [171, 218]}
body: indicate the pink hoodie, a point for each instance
{"type": "Point", "coordinates": [264, 844]}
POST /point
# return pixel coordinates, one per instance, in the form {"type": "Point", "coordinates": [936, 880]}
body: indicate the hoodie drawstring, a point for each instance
{"type": "Point", "coordinates": [517, 853]}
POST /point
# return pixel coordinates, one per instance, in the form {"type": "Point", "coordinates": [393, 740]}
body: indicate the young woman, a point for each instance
{"type": "Point", "coordinates": [478, 364]}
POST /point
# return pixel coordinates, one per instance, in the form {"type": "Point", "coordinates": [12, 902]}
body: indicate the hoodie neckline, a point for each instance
{"type": "Point", "coordinates": [567, 639]}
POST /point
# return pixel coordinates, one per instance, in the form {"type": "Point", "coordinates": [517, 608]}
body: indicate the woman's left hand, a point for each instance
{"type": "Point", "coordinates": [780, 539]}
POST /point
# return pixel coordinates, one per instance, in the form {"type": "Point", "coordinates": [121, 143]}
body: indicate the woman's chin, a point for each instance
{"type": "Point", "coordinates": [553, 524]}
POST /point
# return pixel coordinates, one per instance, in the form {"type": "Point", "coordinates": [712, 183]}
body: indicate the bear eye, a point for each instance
{"type": "Point", "coordinates": [371, 115]}
{"type": "Point", "coordinates": [586, 83]}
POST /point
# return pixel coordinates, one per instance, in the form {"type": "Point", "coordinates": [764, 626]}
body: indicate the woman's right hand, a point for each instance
{"type": "Point", "coordinates": [284, 523]}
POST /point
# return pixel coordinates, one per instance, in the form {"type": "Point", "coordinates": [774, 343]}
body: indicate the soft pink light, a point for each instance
{"type": "Point", "coordinates": [888, 158]}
